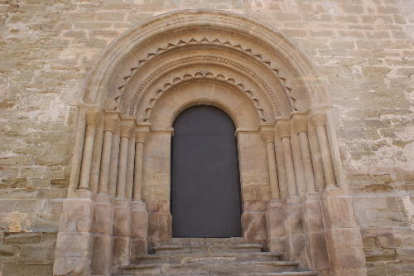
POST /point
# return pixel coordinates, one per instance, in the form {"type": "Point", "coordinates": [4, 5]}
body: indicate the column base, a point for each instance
{"type": "Point", "coordinates": [315, 234]}
{"type": "Point", "coordinates": [275, 225]}
{"type": "Point", "coordinates": [344, 240]}
{"type": "Point", "coordinates": [295, 241]}
{"type": "Point", "coordinates": [74, 241]}
{"type": "Point", "coordinates": [122, 232]}
{"type": "Point", "coordinates": [159, 228]}
{"type": "Point", "coordinates": [139, 229]}
{"type": "Point", "coordinates": [103, 240]}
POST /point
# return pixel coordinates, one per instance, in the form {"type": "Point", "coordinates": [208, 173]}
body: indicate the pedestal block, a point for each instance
{"type": "Point", "coordinates": [102, 230]}
{"type": "Point", "coordinates": [275, 225]}
{"type": "Point", "coordinates": [254, 226]}
{"type": "Point", "coordinates": [160, 228]}
{"type": "Point", "coordinates": [315, 235]}
{"type": "Point", "coordinates": [344, 239]}
{"type": "Point", "coordinates": [139, 229]}
{"type": "Point", "coordinates": [74, 241]}
{"type": "Point", "coordinates": [122, 232]}
{"type": "Point", "coordinates": [295, 242]}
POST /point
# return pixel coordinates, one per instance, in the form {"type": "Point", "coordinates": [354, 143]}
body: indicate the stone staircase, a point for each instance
{"type": "Point", "coordinates": [196, 257]}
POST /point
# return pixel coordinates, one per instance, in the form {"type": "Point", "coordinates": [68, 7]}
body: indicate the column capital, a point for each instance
{"type": "Point", "coordinates": [111, 120]}
{"type": "Point", "coordinates": [319, 118]}
{"type": "Point", "coordinates": [300, 122]}
{"type": "Point", "coordinates": [283, 128]}
{"type": "Point", "coordinates": [141, 132]}
{"type": "Point", "coordinates": [127, 127]}
{"type": "Point", "coordinates": [267, 132]}
{"type": "Point", "coordinates": [93, 117]}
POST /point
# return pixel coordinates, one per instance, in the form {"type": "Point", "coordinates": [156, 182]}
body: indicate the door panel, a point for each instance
{"type": "Point", "coordinates": [205, 196]}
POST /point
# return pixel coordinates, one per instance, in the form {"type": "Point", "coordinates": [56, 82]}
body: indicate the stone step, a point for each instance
{"type": "Point", "coordinates": [206, 241]}
{"type": "Point", "coordinates": [211, 268]}
{"type": "Point", "coordinates": [213, 248]}
{"type": "Point", "coordinates": [300, 273]}
{"type": "Point", "coordinates": [207, 257]}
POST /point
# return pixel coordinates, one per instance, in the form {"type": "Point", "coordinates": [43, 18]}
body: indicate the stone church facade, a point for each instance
{"type": "Point", "coordinates": [320, 94]}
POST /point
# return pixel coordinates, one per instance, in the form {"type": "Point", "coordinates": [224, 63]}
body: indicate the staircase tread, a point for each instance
{"type": "Point", "coordinates": [280, 263]}
{"type": "Point", "coordinates": [208, 245]}
{"type": "Point", "coordinates": [296, 273]}
{"type": "Point", "coordinates": [210, 254]}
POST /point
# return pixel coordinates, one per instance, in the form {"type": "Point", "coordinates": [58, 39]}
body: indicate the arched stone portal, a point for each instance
{"type": "Point", "coordinates": [294, 196]}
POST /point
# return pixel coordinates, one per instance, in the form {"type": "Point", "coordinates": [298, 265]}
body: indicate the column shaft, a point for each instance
{"type": "Point", "coordinates": [139, 152]}
{"type": "Point", "coordinates": [316, 159]}
{"type": "Point", "coordinates": [326, 156]}
{"type": "Point", "coordinates": [130, 169]}
{"type": "Point", "coordinates": [281, 170]}
{"type": "Point", "coordinates": [123, 163]}
{"type": "Point", "coordinates": [87, 157]}
{"type": "Point", "coordinates": [274, 185]}
{"type": "Point", "coordinates": [113, 170]}
{"type": "Point", "coordinates": [298, 163]}
{"type": "Point", "coordinates": [307, 162]}
{"type": "Point", "coordinates": [106, 160]}
{"type": "Point", "coordinates": [290, 171]}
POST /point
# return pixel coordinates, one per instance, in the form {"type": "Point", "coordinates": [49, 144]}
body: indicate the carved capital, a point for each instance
{"type": "Point", "coordinates": [111, 121]}
{"type": "Point", "coordinates": [319, 118]}
{"type": "Point", "coordinates": [268, 133]}
{"type": "Point", "coordinates": [300, 122]}
{"type": "Point", "coordinates": [93, 117]}
{"type": "Point", "coordinates": [127, 127]}
{"type": "Point", "coordinates": [141, 132]}
{"type": "Point", "coordinates": [283, 128]}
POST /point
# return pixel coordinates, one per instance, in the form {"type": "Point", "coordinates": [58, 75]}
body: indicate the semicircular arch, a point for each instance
{"type": "Point", "coordinates": [166, 33]}
{"type": "Point", "coordinates": [190, 93]}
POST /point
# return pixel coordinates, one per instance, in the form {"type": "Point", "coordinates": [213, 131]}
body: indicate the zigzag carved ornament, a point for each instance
{"type": "Point", "coordinates": [193, 41]}
{"type": "Point", "coordinates": [200, 75]}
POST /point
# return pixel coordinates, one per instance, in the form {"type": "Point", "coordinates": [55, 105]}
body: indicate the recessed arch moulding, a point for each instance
{"type": "Point", "coordinates": [290, 169]}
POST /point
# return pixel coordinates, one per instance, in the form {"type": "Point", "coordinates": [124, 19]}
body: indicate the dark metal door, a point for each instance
{"type": "Point", "coordinates": [205, 195]}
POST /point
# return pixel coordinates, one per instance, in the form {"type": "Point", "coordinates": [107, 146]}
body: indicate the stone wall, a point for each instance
{"type": "Point", "coordinates": [362, 48]}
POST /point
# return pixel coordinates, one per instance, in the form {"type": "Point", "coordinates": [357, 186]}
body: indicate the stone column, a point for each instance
{"type": "Point", "coordinates": [139, 234]}
{"type": "Point", "coordinates": [113, 168]}
{"type": "Point", "coordinates": [283, 131]}
{"type": "Point", "coordinates": [91, 124]}
{"type": "Point", "coordinates": [141, 133]}
{"type": "Point", "coordinates": [297, 161]}
{"type": "Point", "coordinates": [319, 121]}
{"type": "Point", "coordinates": [314, 232]}
{"type": "Point", "coordinates": [268, 135]}
{"type": "Point", "coordinates": [122, 206]}
{"type": "Point", "coordinates": [293, 214]}
{"type": "Point", "coordinates": [96, 158]}
{"type": "Point", "coordinates": [274, 207]}
{"type": "Point", "coordinates": [74, 241]}
{"type": "Point", "coordinates": [130, 168]}
{"type": "Point", "coordinates": [104, 213]}
{"type": "Point", "coordinates": [300, 126]}
{"type": "Point", "coordinates": [77, 153]}
{"type": "Point", "coordinates": [343, 236]}
{"type": "Point", "coordinates": [281, 169]}
{"type": "Point", "coordinates": [126, 133]}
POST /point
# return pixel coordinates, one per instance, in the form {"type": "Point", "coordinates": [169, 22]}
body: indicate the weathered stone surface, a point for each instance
{"type": "Point", "coordinates": [362, 49]}
{"type": "Point", "coordinates": [254, 227]}
{"type": "Point", "coordinates": [160, 227]}
{"type": "Point", "coordinates": [29, 269]}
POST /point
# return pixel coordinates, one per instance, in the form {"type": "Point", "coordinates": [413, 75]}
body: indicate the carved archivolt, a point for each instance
{"type": "Point", "coordinates": [203, 75]}
{"type": "Point", "coordinates": [206, 41]}
{"type": "Point", "coordinates": [287, 71]}
{"type": "Point", "coordinates": [234, 64]}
